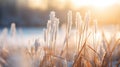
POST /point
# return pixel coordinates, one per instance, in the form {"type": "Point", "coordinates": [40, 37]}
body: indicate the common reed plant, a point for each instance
{"type": "Point", "coordinates": [82, 57]}
{"type": "Point", "coordinates": [88, 50]}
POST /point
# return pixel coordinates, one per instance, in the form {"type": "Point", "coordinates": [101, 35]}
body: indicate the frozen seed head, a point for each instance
{"type": "Point", "coordinates": [87, 17]}
{"type": "Point", "coordinates": [52, 15]}
{"type": "Point", "coordinates": [13, 29]}
{"type": "Point", "coordinates": [70, 17]}
{"type": "Point", "coordinates": [69, 24]}
{"type": "Point", "coordinates": [13, 25]}
{"type": "Point", "coordinates": [78, 19]}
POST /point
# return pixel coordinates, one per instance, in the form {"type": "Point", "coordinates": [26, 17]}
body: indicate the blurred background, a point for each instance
{"type": "Point", "coordinates": [35, 13]}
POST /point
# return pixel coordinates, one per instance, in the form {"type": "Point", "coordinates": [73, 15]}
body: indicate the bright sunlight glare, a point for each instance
{"type": "Point", "coordinates": [74, 4]}
{"type": "Point", "coordinates": [93, 3]}
{"type": "Point", "coordinates": [35, 3]}
{"type": "Point", "coordinates": [38, 4]}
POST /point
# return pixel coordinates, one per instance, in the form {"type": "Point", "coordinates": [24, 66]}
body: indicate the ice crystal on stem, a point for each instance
{"type": "Point", "coordinates": [13, 30]}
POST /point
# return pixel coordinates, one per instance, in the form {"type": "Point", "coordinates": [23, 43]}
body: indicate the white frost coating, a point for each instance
{"type": "Point", "coordinates": [50, 34]}
{"type": "Point", "coordinates": [4, 33]}
{"type": "Point", "coordinates": [69, 25]}
{"type": "Point", "coordinates": [52, 15]}
{"type": "Point", "coordinates": [13, 30]}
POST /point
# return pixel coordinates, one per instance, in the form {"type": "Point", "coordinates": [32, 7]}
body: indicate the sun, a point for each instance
{"type": "Point", "coordinates": [93, 3]}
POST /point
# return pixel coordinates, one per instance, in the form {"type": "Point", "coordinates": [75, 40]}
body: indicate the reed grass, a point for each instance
{"type": "Point", "coordinates": [85, 52]}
